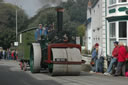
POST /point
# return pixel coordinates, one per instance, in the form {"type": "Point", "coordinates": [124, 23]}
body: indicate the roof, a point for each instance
{"type": "Point", "coordinates": [117, 18]}
{"type": "Point", "coordinates": [28, 30]}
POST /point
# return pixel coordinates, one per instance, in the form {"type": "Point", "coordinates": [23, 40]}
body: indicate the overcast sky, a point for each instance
{"type": "Point", "coordinates": [31, 6]}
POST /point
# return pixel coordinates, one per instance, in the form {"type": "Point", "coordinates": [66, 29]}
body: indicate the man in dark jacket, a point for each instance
{"type": "Point", "coordinates": [114, 59]}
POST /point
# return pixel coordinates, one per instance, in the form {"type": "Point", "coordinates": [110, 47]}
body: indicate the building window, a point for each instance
{"type": "Point", "coordinates": [122, 0]}
{"type": "Point", "coordinates": [112, 2]}
{"type": "Point", "coordinates": [112, 28]}
{"type": "Point", "coordinates": [122, 29]}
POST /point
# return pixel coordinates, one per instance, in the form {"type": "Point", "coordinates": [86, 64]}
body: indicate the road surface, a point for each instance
{"type": "Point", "coordinates": [10, 74]}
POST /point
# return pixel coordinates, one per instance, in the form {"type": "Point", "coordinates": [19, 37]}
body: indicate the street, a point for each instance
{"type": "Point", "coordinates": [10, 74]}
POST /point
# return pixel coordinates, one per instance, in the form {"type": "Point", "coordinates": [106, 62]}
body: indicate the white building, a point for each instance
{"type": "Point", "coordinates": [96, 24]}
{"type": "Point", "coordinates": [109, 23]}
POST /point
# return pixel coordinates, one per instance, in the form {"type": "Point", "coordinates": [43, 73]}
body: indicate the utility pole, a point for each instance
{"type": "Point", "coordinates": [16, 23]}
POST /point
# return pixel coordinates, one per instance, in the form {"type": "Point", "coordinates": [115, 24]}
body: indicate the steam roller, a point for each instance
{"type": "Point", "coordinates": [56, 52]}
{"type": "Point", "coordinates": [62, 59]}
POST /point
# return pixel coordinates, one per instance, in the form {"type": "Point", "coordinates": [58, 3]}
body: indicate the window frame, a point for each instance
{"type": "Point", "coordinates": [117, 2]}
{"type": "Point", "coordinates": [112, 3]}
{"type": "Point", "coordinates": [119, 30]}
{"type": "Point", "coordinates": [122, 2]}
{"type": "Point", "coordinates": [115, 30]}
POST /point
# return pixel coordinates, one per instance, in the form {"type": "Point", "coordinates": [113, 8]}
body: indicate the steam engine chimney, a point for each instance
{"type": "Point", "coordinates": [60, 11]}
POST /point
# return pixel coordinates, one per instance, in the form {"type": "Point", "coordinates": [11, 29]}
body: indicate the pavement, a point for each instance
{"type": "Point", "coordinates": [10, 74]}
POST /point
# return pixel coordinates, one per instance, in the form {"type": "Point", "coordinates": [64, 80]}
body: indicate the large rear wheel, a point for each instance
{"type": "Point", "coordinates": [35, 58]}
{"type": "Point", "coordinates": [66, 55]}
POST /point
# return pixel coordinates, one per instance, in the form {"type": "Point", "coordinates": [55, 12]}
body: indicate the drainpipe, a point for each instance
{"type": "Point", "coordinates": [106, 23]}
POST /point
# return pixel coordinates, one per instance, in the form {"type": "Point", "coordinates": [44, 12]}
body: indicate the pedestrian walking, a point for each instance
{"type": "Point", "coordinates": [114, 58]}
{"type": "Point", "coordinates": [121, 59]}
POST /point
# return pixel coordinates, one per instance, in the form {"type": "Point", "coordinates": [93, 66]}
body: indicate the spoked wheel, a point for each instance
{"type": "Point", "coordinates": [21, 65]}
{"type": "Point", "coordinates": [25, 66]}
{"type": "Point", "coordinates": [35, 58]}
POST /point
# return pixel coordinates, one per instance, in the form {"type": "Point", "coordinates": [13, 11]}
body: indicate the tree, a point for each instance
{"type": "Point", "coordinates": [8, 23]}
{"type": "Point", "coordinates": [76, 10]}
{"type": "Point", "coordinates": [74, 16]}
{"type": "Point", "coordinates": [1, 0]}
{"type": "Point", "coordinates": [45, 16]}
{"type": "Point", "coordinates": [81, 30]}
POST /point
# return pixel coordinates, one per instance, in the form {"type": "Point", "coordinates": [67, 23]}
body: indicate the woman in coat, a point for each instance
{"type": "Point", "coordinates": [121, 58]}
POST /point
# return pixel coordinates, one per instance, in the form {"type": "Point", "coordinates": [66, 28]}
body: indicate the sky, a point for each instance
{"type": "Point", "coordinates": [31, 6]}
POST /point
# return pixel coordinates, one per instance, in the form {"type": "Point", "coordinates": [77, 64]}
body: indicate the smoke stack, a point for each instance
{"type": "Point", "coordinates": [60, 11]}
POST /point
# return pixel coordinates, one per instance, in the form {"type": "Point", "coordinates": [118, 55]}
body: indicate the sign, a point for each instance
{"type": "Point", "coordinates": [15, 43]}
{"type": "Point", "coordinates": [20, 38]}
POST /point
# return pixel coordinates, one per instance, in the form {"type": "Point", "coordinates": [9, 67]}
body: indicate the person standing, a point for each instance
{"type": "Point", "coordinates": [38, 33]}
{"type": "Point", "coordinates": [4, 54]}
{"type": "Point", "coordinates": [100, 59]}
{"type": "Point", "coordinates": [114, 59]}
{"type": "Point", "coordinates": [121, 58]}
{"type": "Point", "coordinates": [93, 60]}
{"type": "Point", "coordinates": [45, 31]}
{"type": "Point", "coordinates": [0, 54]}
{"type": "Point", "coordinates": [126, 64]}
{"type": "Point", "coordinates": [8, 54]}
{"type": "Point", "coordinates": [12, 55]}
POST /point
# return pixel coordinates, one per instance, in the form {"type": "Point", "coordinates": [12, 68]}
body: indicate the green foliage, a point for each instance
{"type": "Point", "coordinates": [8, 23]}
{"type": "Point", "coordinates": [81, 30]}
{"type": "Point", "coordinates": [45, 17]}
{"type": "Point", "coordinates": [76, 10]}
{"type": "Point", "coordinates": [74, 18]}
{"type": "Point", "coordinates": [74, 15]}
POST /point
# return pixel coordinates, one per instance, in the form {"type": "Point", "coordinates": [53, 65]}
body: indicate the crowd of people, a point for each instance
{"type": "Point", "coordinates": [42, 30]}
{"type": "Point", "coordinates": [8, 55]}
{"type": "Point", "coordinates": [119, 60]}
